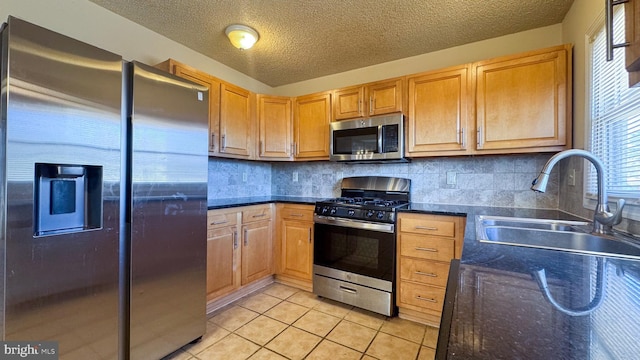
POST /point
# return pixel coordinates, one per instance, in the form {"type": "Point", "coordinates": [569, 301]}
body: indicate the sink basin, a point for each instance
{"type": "Point", "coordinates": [560, 235]}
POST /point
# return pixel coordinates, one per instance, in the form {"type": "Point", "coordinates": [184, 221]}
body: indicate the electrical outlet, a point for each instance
{"type": "Point", "coordinates": [244, 177]}
{"type": "Point", "coordinates": [571, 178]}
{"type": "Point", "coordinates": [295, 176]}
{"type": "Point", "coordinates": [451, 177]}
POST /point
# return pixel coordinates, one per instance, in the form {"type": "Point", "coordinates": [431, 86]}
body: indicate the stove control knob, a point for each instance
{"type": "Point", "coordinates": [325, 209]}
{"type": "Point", "coordinates": [333, 211]}
{"type": "Point", "coordinates": [369, 213]}
{"type": "Point", "coordinates": [351, 212]}
{"type": "Point", "coordinates": [380, 215]}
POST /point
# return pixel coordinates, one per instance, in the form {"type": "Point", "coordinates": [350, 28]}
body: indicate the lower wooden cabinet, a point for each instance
{"type": "Point", "coordinates": [294, 251]}
{"type": "Point", "coordinates": [239, 248]}
{"type": "Point", "coordinates": [222, 252]}
{"type": "Point", "coordinates": [426, 245]}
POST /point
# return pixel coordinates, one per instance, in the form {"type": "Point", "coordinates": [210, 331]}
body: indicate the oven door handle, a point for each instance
{"type": "Point", "coordinates": [355, 224]}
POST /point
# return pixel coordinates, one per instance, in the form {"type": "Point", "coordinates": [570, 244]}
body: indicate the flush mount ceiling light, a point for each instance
{"type": "Point", "coordinates": [242, 36]}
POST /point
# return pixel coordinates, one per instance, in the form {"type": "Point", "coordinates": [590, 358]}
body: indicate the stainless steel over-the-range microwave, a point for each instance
{"type": "Point", "coordinates": [379, 138]}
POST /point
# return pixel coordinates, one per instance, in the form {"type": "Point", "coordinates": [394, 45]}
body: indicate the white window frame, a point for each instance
{"type": "Point", "coordinates": [632, 207]}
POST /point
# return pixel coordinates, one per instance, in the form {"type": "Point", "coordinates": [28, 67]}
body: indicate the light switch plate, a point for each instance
{"type": "Point", "coordinates": [295, 176]}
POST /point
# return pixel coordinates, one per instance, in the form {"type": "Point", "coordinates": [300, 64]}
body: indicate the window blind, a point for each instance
{"type": "Point", "coordinates": [615, 118]}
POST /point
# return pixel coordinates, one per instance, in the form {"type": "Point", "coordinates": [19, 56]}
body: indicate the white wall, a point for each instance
{"type": "Point", "coordinates": [582, 15]}
{"type": "Point", "coordinates": [481, 50]}
{"type": "Point", "coordinates": [88, 22]}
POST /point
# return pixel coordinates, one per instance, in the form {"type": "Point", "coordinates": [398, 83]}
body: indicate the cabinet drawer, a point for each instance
{"type": "Point", "coordinates": [423, 296]}
{"type": "Point", "coordinates": [257, 214]}
{"type": "Point", "coordinates": [425, 247]}
{"type": "Point", "coordinates": [219, 219]}
{"type": "Point", "coordinates": [424, 271]}
{"type": "Point", "coordinates": [297, 213]}
{"type": "Point", "coordinates": [429, 225]}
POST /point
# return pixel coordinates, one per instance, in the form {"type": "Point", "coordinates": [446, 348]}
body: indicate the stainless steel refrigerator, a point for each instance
{"type": "Point", "coordinates": [103, 185]}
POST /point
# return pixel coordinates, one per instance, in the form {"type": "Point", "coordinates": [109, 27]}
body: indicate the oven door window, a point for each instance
{"type": "Point", "coordinates": [356, 141]}
{"type": "Point", "coordinates": [363, 252]}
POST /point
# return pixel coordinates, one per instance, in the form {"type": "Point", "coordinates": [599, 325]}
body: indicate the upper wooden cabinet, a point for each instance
{"type": "Point", "coordinates": [376, 98]}
{"type": "Point", "coordinates": [275, 130]}
{"type": "Point", "coordinates": [632, 34]}
{"type": "Point", "coordinates": [236, 122]}
{"type": "Point", "coordinates": [439, 114]}
{"type": "Point", "coordinates": [231, 112]}
{"type": "Point", "coordinates": [312, 115]}
{"type": "Point", "coordinates": [523, 102]}
{"type": "Point", "coordinates": [198, 77]}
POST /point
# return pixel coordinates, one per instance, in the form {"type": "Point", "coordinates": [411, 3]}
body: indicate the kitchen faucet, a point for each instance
{"type": "Point", "coordinates": [603, 219]}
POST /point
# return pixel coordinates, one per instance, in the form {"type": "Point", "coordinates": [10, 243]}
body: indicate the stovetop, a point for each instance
{"type": "Point", "coordinates": [367, 198]}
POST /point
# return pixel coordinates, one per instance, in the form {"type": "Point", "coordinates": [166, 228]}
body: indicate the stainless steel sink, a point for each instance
{"type": "Point", "coordinates": [572, 236]}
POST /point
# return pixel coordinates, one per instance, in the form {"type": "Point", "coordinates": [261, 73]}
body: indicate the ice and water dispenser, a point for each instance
{"type": "Point", "coordinates": [68, 198]}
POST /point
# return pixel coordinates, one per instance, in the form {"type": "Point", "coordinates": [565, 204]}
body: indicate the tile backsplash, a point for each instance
{"type": "Point", "coordinates": [473, 180]}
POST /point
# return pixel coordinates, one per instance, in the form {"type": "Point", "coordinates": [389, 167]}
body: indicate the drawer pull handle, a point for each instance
{"type": "Point", "coordinates": [219, 222]}
{"type": "Point", "coordinates": [432, 300]}
{"type": "Point", "coordinates": [349, 290]}
{"type": "Point", "coordinates": [296, 215]}
{"type": "Point", "coordinates": [426, 274]}
{"type": "Point", "coordinates": [426, 249]}
{"type": "Point", "coordinates": [259, 215]}
{"type": "Point", "coordinates": [426, 228]}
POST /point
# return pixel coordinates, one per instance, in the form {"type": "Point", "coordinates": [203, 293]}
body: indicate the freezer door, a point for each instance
{"type": "Point", "coordinates": [61, 155]}
{"type": "Point", "coordinates": [168, 140]}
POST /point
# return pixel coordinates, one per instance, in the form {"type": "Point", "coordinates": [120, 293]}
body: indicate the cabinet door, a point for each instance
{"type": "Point", "coordinates": [257, 251]}
{"type": "Point", "coordinates": [235, 120]}
{"type": "Point", "coordinates": [297, 249]}
{"type": "Point", "coordinates": [275, 127]}
{"type": "Point", "coordinates": [439, 112]}
{"type": "Point", "coordinates": [222, 262]}
{"type": "Point", "coordinates": [348, 103]}
{"type": "Point", "coordinates": [632, 34]}
{"type": "Point", "coordinates": [311, 126]}
{"type": "Point", "coordinates": [385, 97]}
{"type": "Point", "coordinates": [214, 102]}
{"type": "Point", "coordinates": [521, 101]}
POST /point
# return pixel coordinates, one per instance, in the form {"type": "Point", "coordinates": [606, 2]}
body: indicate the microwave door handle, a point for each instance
{"type": "Point", "coordinates": [380, 137]}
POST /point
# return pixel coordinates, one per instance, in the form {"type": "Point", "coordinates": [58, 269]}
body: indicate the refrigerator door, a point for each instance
{"type": "Point", "coordinates": [60, 149]}
{"type": "Point", "coordinates": [168, 135]}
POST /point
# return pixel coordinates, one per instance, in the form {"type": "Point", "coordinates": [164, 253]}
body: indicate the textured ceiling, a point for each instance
{"type": "Point", "coordinates": [306, 39]}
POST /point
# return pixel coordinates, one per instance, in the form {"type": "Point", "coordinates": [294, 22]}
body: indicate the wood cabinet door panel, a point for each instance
{"type": "Point", "coordinates": [385, 97]}
{"type": "Point", "coordinates": [312, 116]}
{"type": "Point", "coordinates": [235, 120]}
{"type": "Point", "coordinates": [522, 102]}
{"type": "Point", "coordinates": [297, 249]}
{"type": "Point", "coordinates": [632, 34]}
{"type": "Point", "coordinates": [222, 276]}
{"type": "Point", "coordinates": [275, 127]}
{"type": "Point", "coordinates": [348, 103]}
{"type": "Point", "coordinates": [438, 113]}
{"type": "Point", "coordinates": [257, 251]}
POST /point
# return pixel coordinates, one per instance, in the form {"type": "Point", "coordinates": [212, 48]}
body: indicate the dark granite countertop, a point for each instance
{"type": "Point", "coordinates": [245, 201]}
{"type": "Point", "coordinates": [495, 309]}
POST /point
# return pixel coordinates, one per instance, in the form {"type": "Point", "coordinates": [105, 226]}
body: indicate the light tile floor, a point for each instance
{"type": "Point", "coordinates": [282, 322]}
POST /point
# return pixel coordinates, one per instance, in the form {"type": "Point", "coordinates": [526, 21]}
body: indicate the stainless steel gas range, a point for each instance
{"type": "Point", "coordinates": [355, 242]}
